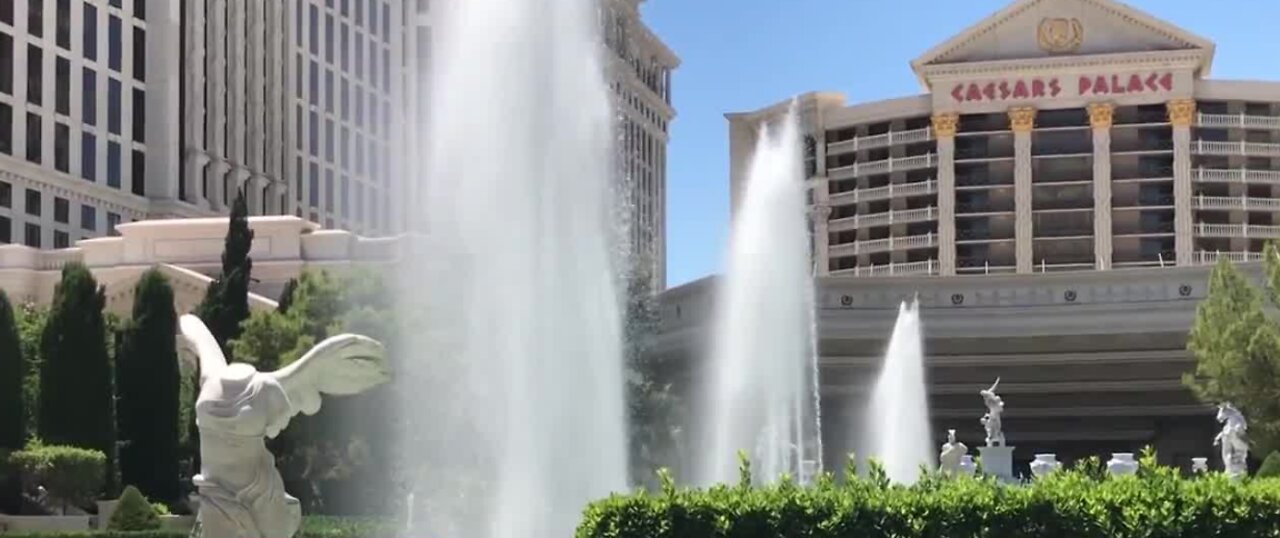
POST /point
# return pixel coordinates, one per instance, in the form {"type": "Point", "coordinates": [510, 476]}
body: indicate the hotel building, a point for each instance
{"type": "Point", "coordinates": [1055, 197]}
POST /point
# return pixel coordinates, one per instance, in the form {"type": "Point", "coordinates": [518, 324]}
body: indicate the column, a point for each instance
{"type": "Point", "coordinates": [194, 159]}
{"type": "Point", "coordinates": [255, 55]}
{"type": "Point", "coordinates": [216, 115]}
{"type": "Point", "coordinates": [273, 92]}
{"type": "Point", "coordinates": [1100, 119]}
{"type": "Point", "coordinates": [944, 132]}
{"type": "Point", "coordinates": [1181, 113]}
{"type": "Point", "coordinates": [275, 190]}
{"type": "Point", "coordinates": [821, 214]}
{"type": "Point", "coordinates": [236, 91]}
{"type": "Point", "coordinates": [1022, 120]}
{"type": "Point", "coordinates": [252, 185]}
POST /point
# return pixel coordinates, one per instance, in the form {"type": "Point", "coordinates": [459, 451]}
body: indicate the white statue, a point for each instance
{"type": "Point", "coordinates": [241, 493]}
{"type": "Point", "coordinates": [1235, 446]}
{"type": "Point", "coordinates": [991, 420]}
{"type": "Point", "coordinates": [953, 452]}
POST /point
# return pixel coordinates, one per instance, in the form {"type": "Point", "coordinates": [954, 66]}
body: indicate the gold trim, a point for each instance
{"type": "Point", "coordinates": [1181, 112]}
{"type": "Point", "coordinates": [1100, 115]}
{"type": "Point", "coordinates": [945, 124]}
{"type": "Point", "coordinates": [1022, 119]}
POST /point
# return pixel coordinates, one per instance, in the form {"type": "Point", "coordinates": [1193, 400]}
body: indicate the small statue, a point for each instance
{"type": "Point", "coordinates": [953, 452]}
{"type": "Point", "coordinates": [991, 420]}
{"type": "Point", "coordinates": [241, 493]}
{"type": "Point", "coordinates": [1235, 446]}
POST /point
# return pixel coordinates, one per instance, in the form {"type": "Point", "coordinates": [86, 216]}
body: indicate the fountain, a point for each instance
{"type": "Point", "coordinates": [513, 413]}
{"type": "Point", "coordinates": [897, 423]}
{"type": "Point", "coordinates": [763, 380]}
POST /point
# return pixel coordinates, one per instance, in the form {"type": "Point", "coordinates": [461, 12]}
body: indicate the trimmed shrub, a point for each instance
{"type": "Point", "coordinates": [1065, 503]}
{"type": "Point", "coordinates": [1270, 467]}
{"type": "Point", "coordinates": [102, 534]}
{"type": "Point", "coordinates": [133, 513]}
{"type": "Point", "coordinates": [72, 475]}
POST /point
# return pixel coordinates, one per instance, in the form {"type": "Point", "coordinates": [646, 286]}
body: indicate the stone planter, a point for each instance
{"type": "Point", "coordinates": [1122, 463]}
{"type": "Point", "coordinates": [105, 509]}
{"type": "Point", "coordinates": [50, 524]}
{"type": "Point", "coordinates": [1045, 464]}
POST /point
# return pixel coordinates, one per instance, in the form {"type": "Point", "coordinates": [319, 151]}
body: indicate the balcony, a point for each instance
{"type": "Point", "coordinates": [883, 245]}
{"type": "Point", "coordinates": [1237, 230]}
{"type": "Point", "coordinates": [880, 140]}
{"type": "Point", "coordinates": [984, 180]}
{"type": "Point", "coordinates": [1204, 257]}
{"type": "Point", "coordinates": [1236, 202]}
{"type": "Point", "coordinates": [1241, 175]}
{"type": "Point", "coordinates": [983, 266]}
{"type": "Point", "coordinates": [881, 219]}
{"type": "Point", "coordinates": [1250, 149]}
{"type": "Point", "coordinates": [1241, 120]}
{"type": "Point", "coordinates": [984, 207]}
{"type": "Point", "coordinates": [927, 267]}
{"type": "Point", "coordinates": [892, 190]}
{"type": "Point", "coordinates": [892, 164]}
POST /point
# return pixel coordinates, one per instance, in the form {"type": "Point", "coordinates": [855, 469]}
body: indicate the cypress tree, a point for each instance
{"type": "Point", "coordinates": [76, 396]}
{"type": "Point", "coordinates": [226, 302]}
{"type": "Point", "coordinates": [13, 429]}
{"type": "Point", "coordinates": [147, 382]}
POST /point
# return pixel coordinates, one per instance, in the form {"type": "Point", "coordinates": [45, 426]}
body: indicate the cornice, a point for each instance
{"type": "Point", "coordinates": [115, 201]}
{"type": "Point", "coordinates": [1156, 59]}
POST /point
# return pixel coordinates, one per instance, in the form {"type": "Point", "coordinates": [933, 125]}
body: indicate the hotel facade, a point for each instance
{"type": "Point", "coordinates": [1055, 196]}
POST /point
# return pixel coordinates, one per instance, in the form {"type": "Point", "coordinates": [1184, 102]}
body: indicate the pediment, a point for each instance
{"type": "Point", "coordinates": [1042, 29]}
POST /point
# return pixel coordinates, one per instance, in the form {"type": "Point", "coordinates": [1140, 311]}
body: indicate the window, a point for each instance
{"type": "Point", "coordinates": [386, 22]}
{"type": "Point", "coordinates": [63, 21]}
{"type": "Point", "coordinates": [113, 105]}
{"type": "Point", "coordinates": [328, 139]}
{"type": "Point", "coordinates": [314, 30]}
{"type": "Point", "coordinates": [386, 70]}
{"type": "Point", "coordinates": [35, 75]}
{"type": "Point", "coordinates": [328, 39]}
{"type": "Point", "coordinates": [359, 70]}
{"type": "Point", "coordinates": [139, 175]}
{"type": "Point", "coordinates": [359, 108]}
{"type": "Point", "coordinates": [6, 11]}
{"type": "Point", "coordinates": [139, 116]}
{"type": "Point", "coordinates": [139, 52]}
{"type": "Point", "coordinates": [345, 190]}
{"type": "Point", "coordinates": [61, 239]}
{"type": "Point", "coordinates": [114, 42]}
{"type": "Point", "coordinates": [328, 91]}
{"type": "Point", "coordinates": [314, 76]}
{"type": "Point", "coordinates": [6, 63]}
{"type": "Point", "coordinates": [315, 134]}
{"type": "Point", "coordinates": [113, 220]}
{"type": "Point", "coordinates": [61, 210]}
{"type": "Point", "coordinates": [88, 218]}
{"type": "Point", "coordinates": [344, 103]}
{"type": "Point", "coordinates": [314, 195]}
{"type": "Point", "coordinates": [32, 238]}
{"type": "Point", "coordinates": [89, 101]}
{"type": "Point", "coordinates": [62, 86]}
{"type": "Point", "coordinates": [343, 51]}
{"type": "Point", "coordinates": [140, 9]}
{"type": "Point", "coordinates": [35, 141]}
{"type": "Point", "coordinates": [359, 202]}
{"type": "Point", "coordinates": [33, 202]}
{"type": "Point", "coordinates": [342, 149]}
{"type": "Point", "coordinates": [62, 148]}
{"type": "Point", "coordinates": [35, 18]}
{"type": "Point", "coordinates": [359, 14]}
{"type": "Point", "coordinates": [89, 156]}
{"type": "Point", "coordinates": [113, 164]}
{"type": "Point", "coordinates": [346, 7]}
{"type": "Point", "coordinates": [297, 25]}
{"type": "Point", "coordinates": [6, 227]}
{"type": "Point", "coordinates": [6, 194]}
{"type": "Point", "coordinates": [298, 128]}
{"type": "Point", "coordinates": [359, 156]}
{"type": "Point", "coordinates": [117, 4]}
{"type": "Point", "coordinates": [328, 190]}
{"type": "Point", "coordinates": [6, 129]}
{"type": "Point", "coordinates": [90, 31]}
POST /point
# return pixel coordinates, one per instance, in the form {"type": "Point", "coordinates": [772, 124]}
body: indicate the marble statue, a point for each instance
{"type": "Point", "coordinates": [991, 420]}
{"type": "Point", "coordinates": [240, 491]}
{"type": "Point", "coordinates": [1235, 446]}
{"type": "Point", "coordinates": [953, 452]}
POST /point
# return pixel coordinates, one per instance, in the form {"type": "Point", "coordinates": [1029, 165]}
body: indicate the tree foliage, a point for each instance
{"type": "Point", "coordinates": [31, 322]}
{"type": "Point", "coordinates": [226, 302]}
{"type": "Point", "coordinates": [76, 393]}
{"type": "Point", "coordinates": [133, 513]}
{"type": "Point", "coordinates": [1237, 349]}
{"type": "Point", "coordinates": [13, 370]}
{"type": "Point", "coordinates": [147, 381]}
{"type": "Point", "coordinates": [73, 476]}
{"type": "Point", "coordinates": [652, 406]}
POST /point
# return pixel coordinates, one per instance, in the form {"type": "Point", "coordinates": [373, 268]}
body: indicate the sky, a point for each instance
{"type": "Point", "coordinates": [742, 55]}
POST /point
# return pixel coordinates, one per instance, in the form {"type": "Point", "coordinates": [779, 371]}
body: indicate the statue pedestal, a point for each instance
{"type": "Point", "coordinates": [997, 461]}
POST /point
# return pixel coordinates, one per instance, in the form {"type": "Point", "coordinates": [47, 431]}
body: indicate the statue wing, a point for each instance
{"type": "Point", "coordinates": [994, 385]}
{"type": "Point", "coordinates": [341, 365]}
{"type": "Point", "coordinates": [196, 340]}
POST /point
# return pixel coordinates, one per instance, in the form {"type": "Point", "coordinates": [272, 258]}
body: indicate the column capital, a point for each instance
{"type": "Point", "coordinates": [945, 123]}
{"type": "Point", "coordinates": [1181, 112]}
{"type": "Point", "coordinates": [1022, 119]}
{"type": "Point", "coordinates": [1100, 115]}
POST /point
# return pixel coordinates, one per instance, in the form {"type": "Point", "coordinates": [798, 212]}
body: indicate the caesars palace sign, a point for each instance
{"type": "Point", "coordinates": [1050, 87]}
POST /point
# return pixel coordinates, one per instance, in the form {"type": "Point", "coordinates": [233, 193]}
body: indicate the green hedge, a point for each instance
{"type": "Point", "coordinates": [1158, 503]}
{"type": "Point", "coordinates": [101, 534]}
{"type": "Point", "coordinates": [312, 527]}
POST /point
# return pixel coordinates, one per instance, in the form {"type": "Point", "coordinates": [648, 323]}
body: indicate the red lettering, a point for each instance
{"type": "Point", "coordinates": [1100, 85]}
{"type": "Point", "coordinates": [1151, 82]}
{"type": "Point", "coordinates": [1086, 84]}
{"type": "Point", "coordinates": [1166, 82]}
{"type": "Point", "coordinates": [957, 93]}
{"type": "Point", "coordinates": [1116, 86]}
{"type": "Point", "coordinates": [1004, 89]}
{"type": "Point", "coordinates": [1135, 84]}
{"type": "Point", "coordinates": [974, 93]}
{"type": "Point", "coordinates": [1054, 87]}
{"type": "Point", "coordinates": [1020, 90]}
{"type": "Point", "coordinates": [990, 91]}
{"type": "Point", "coordinates": [1037, 88]}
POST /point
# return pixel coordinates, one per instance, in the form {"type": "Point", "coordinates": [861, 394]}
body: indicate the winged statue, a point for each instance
{"type": "Point", "coordinates": [241, 493]}
{"type": "Point", "coordinates": [992, 420]}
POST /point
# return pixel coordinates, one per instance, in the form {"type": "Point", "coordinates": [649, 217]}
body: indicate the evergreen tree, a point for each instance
{"type": "Point", "coordinates": [147, 381]}
{"type": "Point", "coordinates": [652, 406]}
{"type": "Point", "coordinates": [1237, 351]}
{"type": "Point", "coordinates": [13, 428]}
{"type": "Point", "coordinates": [76, 394]}
{"type": "Point", "coordinates": [226, 302]}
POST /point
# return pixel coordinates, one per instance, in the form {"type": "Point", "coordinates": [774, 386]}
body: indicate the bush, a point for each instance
{"type": "Point", "coordinates": [133, 513]}
{"type": "Point", "coordinates": [1065, 503]}
{"type": "Point", "coordinates": [72, 475]}
{"type": "Point", "coordinates": [347, 527]}
{"type": "Point", "coordinates": [1271, 466]}
{"type": "Point", "coordinates": [102, 534]}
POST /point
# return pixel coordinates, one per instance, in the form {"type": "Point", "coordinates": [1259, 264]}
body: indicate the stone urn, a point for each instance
{"type": "Point", "coordinates": [1122, 463]}
{"type": "Point", "coordinates": [967, 465]}
{"type": "Point", "coordinates": [1199, 465]}
{"type": "Point", "coordinates": [1044, 464]}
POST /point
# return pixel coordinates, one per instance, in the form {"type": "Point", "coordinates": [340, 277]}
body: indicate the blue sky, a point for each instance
{"type": "Point", "coordinates": [742, 55]}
